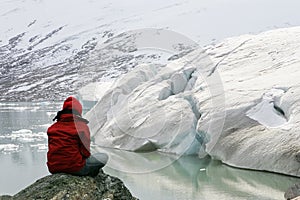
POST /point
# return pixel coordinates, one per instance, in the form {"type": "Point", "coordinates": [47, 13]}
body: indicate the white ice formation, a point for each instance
{"type": "Point", "coordinates": [239, 104]}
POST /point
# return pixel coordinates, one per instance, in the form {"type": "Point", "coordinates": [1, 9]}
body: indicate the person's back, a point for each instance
{"type": "Point", "coordinates": [66, 151]}
{"type": "Point", "coordinates": [69, 143]}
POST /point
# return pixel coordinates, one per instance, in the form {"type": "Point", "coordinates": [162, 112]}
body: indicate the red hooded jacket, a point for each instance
{"type": "Point", "coordinates": [68, 139]}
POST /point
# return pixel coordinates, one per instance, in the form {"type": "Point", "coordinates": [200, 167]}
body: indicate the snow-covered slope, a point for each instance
{"type": "Point", "coordinates": [44, 45]}
{"type": "Point", "coordinates": [237, 101]}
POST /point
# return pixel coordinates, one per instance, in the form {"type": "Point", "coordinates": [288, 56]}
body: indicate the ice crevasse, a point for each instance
{"type": "Point", "coordinates": [237, 101]}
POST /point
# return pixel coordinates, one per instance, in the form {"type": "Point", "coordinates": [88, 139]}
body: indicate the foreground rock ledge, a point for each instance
{"type": "Point", "coordinates": [64, 186]}
{"type": "Point", "coordinates": [293, 193]}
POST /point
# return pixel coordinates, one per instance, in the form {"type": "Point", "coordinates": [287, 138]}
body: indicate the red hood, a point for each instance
{"type": "Point", "coordinates": [71, 103]}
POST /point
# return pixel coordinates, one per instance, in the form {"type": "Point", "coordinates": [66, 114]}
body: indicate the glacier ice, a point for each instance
{"type": "Point", "coordinates": [240, 104]}
{"type": "Point", "coordinates": [141, 112]}
{"type": "Point", "coordinates": [261, 84]}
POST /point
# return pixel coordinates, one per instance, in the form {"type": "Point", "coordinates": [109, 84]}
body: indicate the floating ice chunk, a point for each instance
{"type": "Point", "coordinates": [51, 113]}
{"type": "Point", "coordinates": [22, 131]}
{"type": "Point", "coordinates": [39, 147]}
{"type": "Point", "coordinates": [7, 148]}
{"type": "Point", "coordinates": [26, 136]}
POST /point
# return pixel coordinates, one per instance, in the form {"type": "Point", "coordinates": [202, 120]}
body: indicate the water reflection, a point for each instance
{"type": "Point", "coordinates": [192, 178]}
{"type": "Point", "coordinates": [20, 169]}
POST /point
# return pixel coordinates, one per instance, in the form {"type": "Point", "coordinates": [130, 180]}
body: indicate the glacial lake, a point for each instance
{"type": "Point", "coordinates": [23, 147]}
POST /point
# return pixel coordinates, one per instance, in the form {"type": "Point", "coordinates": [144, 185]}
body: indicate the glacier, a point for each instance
{"type": "Point", "coordinates": [236, 101]}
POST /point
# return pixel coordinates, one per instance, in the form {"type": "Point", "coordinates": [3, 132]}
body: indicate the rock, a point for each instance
{"type": "Point", "coordinates": [64, 186]}
{"type": "Point", "coordinates": [293, 193]}
{"type": "Point", "coordinates": [6, 197]}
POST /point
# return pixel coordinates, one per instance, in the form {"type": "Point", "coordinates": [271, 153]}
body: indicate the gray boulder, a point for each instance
{"type": "Point", "coordinates": [293, 192]}
{"type": "Point", "coordinates": [64, 186]}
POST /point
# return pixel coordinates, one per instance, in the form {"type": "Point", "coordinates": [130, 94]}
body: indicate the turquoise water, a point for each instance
{"type": "Point", "coordinates": [189, 177]}
{"type": "Point", "coordinates": [148, 175]}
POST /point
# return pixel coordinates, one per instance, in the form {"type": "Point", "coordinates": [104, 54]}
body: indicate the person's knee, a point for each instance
{"type": "Point", "coordinates": [101, 157]}
{"type": "Point", "coordinates": [98, 159]}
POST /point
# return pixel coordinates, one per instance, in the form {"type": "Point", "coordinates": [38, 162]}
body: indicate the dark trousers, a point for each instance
{"type": "Point", "coordinates": [93, 164]}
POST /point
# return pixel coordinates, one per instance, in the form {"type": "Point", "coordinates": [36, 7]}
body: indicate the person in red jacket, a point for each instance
{"type": "Point", "coordinates": [69, 143]}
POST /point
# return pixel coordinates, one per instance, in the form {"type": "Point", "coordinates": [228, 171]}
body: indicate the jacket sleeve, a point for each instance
{"type": "Point", "coordinates": [84, 143]}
